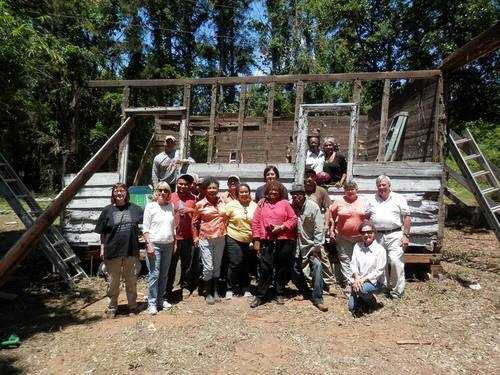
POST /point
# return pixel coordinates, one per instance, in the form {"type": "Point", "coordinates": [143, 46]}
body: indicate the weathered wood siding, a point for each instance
{"type": "Point", "coordinates": [81, 214]}
{"type": "Point", "coordinates": [254, 135]}
{"type": "Point", "coordinates": [418, 99]}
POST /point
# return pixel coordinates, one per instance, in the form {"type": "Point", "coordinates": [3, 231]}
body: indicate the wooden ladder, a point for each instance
{"type": "Point", "coordinates": [53, 243]}
{"type": "Point", "coordinates": [479, 175]}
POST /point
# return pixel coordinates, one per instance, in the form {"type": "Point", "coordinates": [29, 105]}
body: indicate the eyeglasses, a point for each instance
{"type": "Point", "coordinates": [163, 191]}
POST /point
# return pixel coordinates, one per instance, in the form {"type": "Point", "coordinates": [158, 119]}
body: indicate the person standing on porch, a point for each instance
{"type": "Point", "coordinates": [167, 163]}
{"type": "Point", "coordinates": [391, 216]}
{"type": "Point", "coordinates": [335, 164]}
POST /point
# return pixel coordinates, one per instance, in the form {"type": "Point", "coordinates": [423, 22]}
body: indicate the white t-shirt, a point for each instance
{"type": "Point", "coordinates": [369, 261]}
{"type": "Point", "coordinates": [388, 214]}
{"type": "Point", "coordinates": [314, 161]}
{"type": "Point", "coordinates": [159, 222]}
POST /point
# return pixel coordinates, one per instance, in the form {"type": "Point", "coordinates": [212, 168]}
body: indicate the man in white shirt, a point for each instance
{"type": "Point", "coordinates": [314, 157]}
{"type": "Point", "coordinates": [391, 216]}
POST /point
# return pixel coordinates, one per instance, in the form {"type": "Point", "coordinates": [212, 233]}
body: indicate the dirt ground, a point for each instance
{"type": "Point", "coordinates": [440, 327]}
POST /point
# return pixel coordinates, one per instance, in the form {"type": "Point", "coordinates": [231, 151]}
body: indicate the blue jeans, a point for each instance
{"type": "Point", "coordinates": [158, 265]}
{"type": "Point", "coordinates": [365, 295]}
{"type": "Point", "coordinates": [316, 274]}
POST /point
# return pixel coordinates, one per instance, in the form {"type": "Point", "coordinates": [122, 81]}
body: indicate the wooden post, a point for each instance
{"type": "Point", "coordinates": [301, 148]}
{"type": "Point", "coordinates": [241, 122]}
{"type": "Point", "coordinates": [184, 126]}
{"type": "Point", "coordinates": [356, 98]}
{"type": "Point", "coordinates": [383, 120]}
{"type": "Point", "coordinates": [439, 136]}
{"type": "Point", "coordinates": [123, 149]}
{"type": "Point", "coordinates": [353, 131]}
{"type": "Point", "coordinates": [437, 149]}
{"type": "Point", "coordinates": [211, 130]}
{"type": "Point", "coordinates": [299, 99]}
{"type": "Point", "coordinates": [19, 250]}
{"type": "Point", "coordinates": [269, 119]}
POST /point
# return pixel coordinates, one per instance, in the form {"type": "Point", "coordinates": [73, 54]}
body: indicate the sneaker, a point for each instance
{"type": "Point", "coordinates": [255, 302]}
{"type": "Point", "coordinates": [110, 313]}
{"type": "Point", "coordinates": [152, 310]}
{"type": "Point", "coordinates": [280, 300]}
{"type": "Point", "coordinates": [186, 293]}
{"type": "Point", "coordinates": [247, 294]}
{"type": "Point", "coordinates": [166, 305]}
{"type": "Point", "coordinates": [229, 294]}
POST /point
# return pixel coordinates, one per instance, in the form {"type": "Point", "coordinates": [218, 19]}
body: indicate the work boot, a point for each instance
{"type": "Point", "coordinates": [215, 287]}
{"type": "Point", "coordinates": [209, 289]}
{"type": "Point", "coordinates": [321, 307]}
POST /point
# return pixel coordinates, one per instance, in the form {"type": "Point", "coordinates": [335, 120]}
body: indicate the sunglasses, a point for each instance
{"type": "Point", "coordinates": [163, 191]}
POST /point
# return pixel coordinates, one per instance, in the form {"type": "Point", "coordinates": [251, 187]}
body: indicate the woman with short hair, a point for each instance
{"type": "Point", "coordinates": [335, 164]}
{"type": "Point", "coordinates": [159, 233]}
{"type": "Point", "coordinates": [209, 230]}
{"type": "Point", "coordinates": [345, 215]}
{"type": "Point", "coordinates": [118, 226]}
{"type": "Point", "coordinates": [274, 233]}
{"type": "Point", "coordinates": [239, 215]}
{"type": "Point", "coordinates": [368, 271]}
{"type": "Point", "coordinates": [271, 173]}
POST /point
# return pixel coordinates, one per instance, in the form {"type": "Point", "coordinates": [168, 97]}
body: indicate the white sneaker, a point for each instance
{"type": "Point", "coordinates": [166, 305]}
{"type": "Point", "coordinates": [229, 294]}
{"type": "Point", "coordinates": [152, 310]}
{"type": "Point", "coordinates": [247, 294]}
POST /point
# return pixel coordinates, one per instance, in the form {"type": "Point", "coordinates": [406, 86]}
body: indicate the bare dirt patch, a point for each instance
{"type": "Point", "coordinates": [453, 329]}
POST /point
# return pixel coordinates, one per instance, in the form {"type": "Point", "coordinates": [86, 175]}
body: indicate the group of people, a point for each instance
{"type": "Point", "coordinates": [223, 239]}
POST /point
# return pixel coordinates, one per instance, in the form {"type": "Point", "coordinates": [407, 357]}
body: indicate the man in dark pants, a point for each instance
{"type": "Point", "coordinates": [310, 230]}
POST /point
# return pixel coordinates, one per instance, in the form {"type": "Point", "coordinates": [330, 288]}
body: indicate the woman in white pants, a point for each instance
{"type": "Point", "coordinates": [159, 233]}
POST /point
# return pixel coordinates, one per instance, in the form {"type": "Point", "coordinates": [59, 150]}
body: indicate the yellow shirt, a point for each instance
{"type": "Point", "coordinates": [240, 218]}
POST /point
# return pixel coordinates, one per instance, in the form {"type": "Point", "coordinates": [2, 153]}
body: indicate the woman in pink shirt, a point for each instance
{"type": "Point", "coordinates": [209, 230]}
{"type": "Point", "coordinates": [345, 216]}
{"type": "Point", "coordinates": [274, 234]}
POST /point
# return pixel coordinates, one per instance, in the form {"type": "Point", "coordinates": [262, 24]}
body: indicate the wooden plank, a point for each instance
{"type": "Point", "coordinates": [437, 148]}
{"type": "Point", "coordinates": [356, 98]}
{"type": "Point", "coordinates": [211, 131]}
{"type": "Point", "coordinates": [421, 258]}
{"type": "Point", "coordinates": [241, 121]}
{"type": "Point", "coordinates": [457, 177]}
{"type": "Point", "coordinates": [353, 131]}
{"type": "Point", "coordinates": [383, 119]}
{"type": "Point", "coordinates": [83, 239]}
{"type": "Point", "coordinates": [299, 99]}
{"type": "Point", "coordinates": [184, 134]}
{"type": "Point", "coordinates": [486, 42]}
{"type": "Point", "coordinates": [301, 146]}
{"type": "Point", "coordinates": [281, 79]}
{"type": "Point", "coordinates": [76, 216]}
{"type": "Point", "coordinates": [124, 145]}
{"type": "Point", "coordinates": [166, 112]}
{"type": "Point", "coordinates": [97, 179]}
{"type": "Point", "coordinates": [32, 235]}
{"type": "Point", "coordinates": [398, 169]}
{"type": "Point", "coordinates": [269, 119]}
{"type": "Point", "coordinates": [88, 203]}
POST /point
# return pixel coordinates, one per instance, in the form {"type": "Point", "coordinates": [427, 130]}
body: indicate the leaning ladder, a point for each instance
{"type": "Point", "coordinates": [54, 245]}
{"type": "Point", "coordinates": [479, 175]}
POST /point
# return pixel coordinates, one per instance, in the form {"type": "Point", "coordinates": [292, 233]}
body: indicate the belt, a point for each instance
{"type": "Point", "coordinates": [389, 231]}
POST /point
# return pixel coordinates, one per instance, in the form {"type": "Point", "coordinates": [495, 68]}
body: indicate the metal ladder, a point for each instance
{"type": "Point", "coordinates": [53, 243]}
{"type": "Point", "coordinates": [479, 175]}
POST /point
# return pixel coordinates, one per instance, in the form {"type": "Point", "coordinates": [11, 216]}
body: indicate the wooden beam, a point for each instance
{"type": "Point", "coordinates": [281, 79]}
{"type": "Point", "coordinates": [174, 112]}
{"type": "Point", "coordinates": [486, 42]}
{"type": "Point", "coordinates": [457, 177]}
{"type": "Point", "coordinates": [301, 149]}
{"type": "Point", "coordinates": [123, 148]}
{"type": "Point", "coordinates": [356, 98]}
{"type": "Point", "coordinates": [422, 258]}
{"type": "Point", "coordinates": [211, 131]}
{"type": "Point", "coordinates": [241, 121]}
{"type": "Point", "coordinates": [183, 130]}
{"type": "Point", "coordinates": [438, 155]}
{"type": "Point", "coordinates": [19, 250]}
{"type": "Point", "coordinates": [353, 131]}
{"type": "Point", "coordinates": [269, 119]}
{"type": "Point", "coordinates": [438, 144]}
{"type": "Point", "coordinates": [383, 120]}
{"type": "Point", "coordinates": [299, 99]}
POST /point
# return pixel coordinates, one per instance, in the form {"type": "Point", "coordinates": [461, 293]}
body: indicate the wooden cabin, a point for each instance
{"type": "Point", "coordinates": [243, 145]}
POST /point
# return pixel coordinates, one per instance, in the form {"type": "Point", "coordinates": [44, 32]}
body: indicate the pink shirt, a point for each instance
{"type": "Point", "coordinates": [279, 213]}
{"type": "Point", "coordinates": [183, 229]}
{"type": "Point", "coordinates": [347, 216]}
{"type": "Point", "coordinates": [208, 219]}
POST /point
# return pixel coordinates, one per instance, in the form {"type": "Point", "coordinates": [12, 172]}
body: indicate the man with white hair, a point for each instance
{"type": "Point", "coordinates": [391, 216]}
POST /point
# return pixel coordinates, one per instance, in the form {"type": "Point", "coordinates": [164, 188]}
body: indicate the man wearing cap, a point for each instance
{"type": "Point", "coordinates": [391, 216]}
{"type": "Point", "coordinates": [232, 189]}
{"type": "Point", "coordinates": [165, 164]}
{"type": "Point", "coordinates": [310, 228]}
{"type": "Point", "coordinates": [183, 202]}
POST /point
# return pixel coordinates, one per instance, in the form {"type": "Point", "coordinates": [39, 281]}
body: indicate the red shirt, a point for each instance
{"type": "Point", "coordinates": [209, 220]}
{"type": "Point", "coordinates": [279, 213]}
{"type": "Point", "coordinates": [183, 220]}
